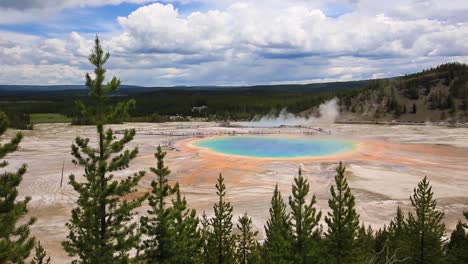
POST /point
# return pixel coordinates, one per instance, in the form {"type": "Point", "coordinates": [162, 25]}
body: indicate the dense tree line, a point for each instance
{"type": "Point", "coordinates": [223, 104]}
{"type": "Point", "coordinates": [104, 227]}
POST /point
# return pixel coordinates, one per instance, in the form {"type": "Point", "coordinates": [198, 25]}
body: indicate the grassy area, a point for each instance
{"type": "Point", "coordinates": [49, 118]}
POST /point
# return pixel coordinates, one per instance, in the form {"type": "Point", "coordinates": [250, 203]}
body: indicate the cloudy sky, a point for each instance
{"type": "Point", "coordinates": [229, 42]}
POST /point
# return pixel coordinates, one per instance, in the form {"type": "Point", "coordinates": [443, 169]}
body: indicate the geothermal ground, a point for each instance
{"type": "Point", "coordinates": [382, 171]}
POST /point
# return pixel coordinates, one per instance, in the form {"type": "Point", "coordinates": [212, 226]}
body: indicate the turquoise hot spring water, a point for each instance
{"type": "Point", "coordinates": [275, 147]}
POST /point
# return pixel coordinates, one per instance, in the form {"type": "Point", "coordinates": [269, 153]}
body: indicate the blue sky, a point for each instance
{"type": "Point", "coordinates": [229, 42]}
{"type": "Point", "coordinates": [85, 19]}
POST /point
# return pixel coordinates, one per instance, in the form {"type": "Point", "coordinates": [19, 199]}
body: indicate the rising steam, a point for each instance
{"type": "Point", "coordinates": [328, 112]}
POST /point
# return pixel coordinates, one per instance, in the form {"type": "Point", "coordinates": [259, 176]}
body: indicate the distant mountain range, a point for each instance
{"type": "Point", "coordinates": [133, 89]}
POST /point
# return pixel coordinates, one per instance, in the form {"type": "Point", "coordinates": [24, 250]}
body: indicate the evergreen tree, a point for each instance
{"type": "Point", "coordinates": [397, 235]}
{"type": "Point", "coordinates": [414, 109]}
{"type": "Point", "coordinates": [365, 240]}
{"type": "Point", "coordinates": [278, 245]}
{"type": "Point", "coordinates": [465, 214]}
{"type": "Point", "coordinates": [342, 221]}
{"type": "Point", "coordinates": [15, 240]}
{"type": "Point", "coordinates": [451, 105]}
{"type": "Point", "coordinates": [101, 228]}
{"type": "Point", "coordinates": [221, 241]}
{"type": "Point", "coordinates": [457, 247]}
{"type": "Point", "coordinates": [305, 218]}
{"type": "Point", "coordinates": [247, 246]}
{"type": "Point", "coordinates": [380, 245]}
{"type": "Point", "coordinates": [205, 234]}
{"type": "Point", "coordinates": [442, 116]}
{"type": "Point", "coordinates": [425, 227]}
{"type": "Point", "coordinates": [389, 244]}
{"type": "Point", "coordinates": [41, 255]}
{"type": "Point", "coordinates": [464, 105]}
{"type": "Point", "coordinates": [188, 242]}
{"type": "Point", "coordinates": [159, 246]}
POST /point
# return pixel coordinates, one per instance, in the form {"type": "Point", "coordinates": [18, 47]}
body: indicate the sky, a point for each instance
{"type": "Point", "coordinates": [228, 42]}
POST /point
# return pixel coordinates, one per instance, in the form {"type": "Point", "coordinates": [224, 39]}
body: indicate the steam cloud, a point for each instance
{"type": "Point", "coordinates": [328, 113]}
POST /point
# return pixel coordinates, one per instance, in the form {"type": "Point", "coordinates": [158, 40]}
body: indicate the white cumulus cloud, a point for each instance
{"type": "Point", "coordinates": [249, 42]}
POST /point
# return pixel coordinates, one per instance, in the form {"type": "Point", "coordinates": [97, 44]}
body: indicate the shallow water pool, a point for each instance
{"type": "Point", "coordinates": [275, 147]}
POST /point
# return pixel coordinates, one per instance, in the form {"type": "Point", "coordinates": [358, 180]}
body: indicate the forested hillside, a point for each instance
{"type": "Point", "coordinates": [436, 94]}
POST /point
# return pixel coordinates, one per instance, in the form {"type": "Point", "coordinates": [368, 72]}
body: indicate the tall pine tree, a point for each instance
{"type": "Point", "coordinates": [247, 246]}
{"type": "Point", "coordinates": [221, 241]}
{"type": "Point", "coordinates": [305, 218]}
{"type": "Point", "coordinates": [101, 229]}
{"type": "Point", "coordinates": [425, 227]}
{"type": "Point", "coordinates": [15, 240]}
{"type": "Point", "coordinates": [159, 246]}
{"type": "Point", "coordinates": [278, 245]}
{"type": "Point", "coordinates": [342, 221]}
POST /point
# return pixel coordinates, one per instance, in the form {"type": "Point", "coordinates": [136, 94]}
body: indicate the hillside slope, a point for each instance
{"type": "Point", "coordinates": [433, 95]}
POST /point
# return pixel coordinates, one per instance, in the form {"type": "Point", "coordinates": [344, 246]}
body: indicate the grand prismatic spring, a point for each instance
{"type": "Point", "coordinates": [383, 165]}
{"type": "Point", "coordinates": [275, 147]}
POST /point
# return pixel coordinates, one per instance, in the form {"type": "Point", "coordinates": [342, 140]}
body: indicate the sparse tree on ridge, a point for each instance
{"type": "Point", "coordinates": [342, 221]}
{"type": "Point", "coordinates": [305, 222]}
{"type": "Point", "coordinates": [101, 229]}
{"type": "Point", "coordinates": [425, 227]}
{"type": "Point", "coordinates": [220, 240]}
{"type": "Point", "coordinates": [15, 240]}
{"type": "Point", "coordinates": [278, 245]}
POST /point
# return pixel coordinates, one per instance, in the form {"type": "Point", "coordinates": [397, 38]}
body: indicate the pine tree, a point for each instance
{"type": "Point", "coordinates": [397, 235]}
{"type": "Point", "coordinates": [15, 240]}
{"type": "Point", "coordinates": [464, 105]}
{"type": "Point", "coordinates": [41, 255]}
{"type": "Point", "coordinates": [101, 229]}
{"type": "Point", "coordinates": [465, 214]}
{"type": "Point", "coordinates": [221, 241]}
{"type": "Point", "coordinates": [205, 235]}
{"type": "Point", "coordinates": [451, 105]}
{"type": "Point", "coordinates": [380, 245]}
{"type": "Point", "coordinates": [365, 241]}
{"type": "Point", "coordinates": [305, 218]}
{"type": "Point", "coordinates": [342, 221]}
{"type": "Point", "coordinates": [188, 242]}
{"type": "Point", "coordinates": [425, 227]}
{"type": "Point", "coordinates": [457, 247]}
{"type": "Point", "coordinates": [414, 109]}
{"type": "Point", "coordinates": [247, 246]}
{"type": "Point", "coordinates": [159, 246]}
{"type": "Point", "coordinates": [278, 245]}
